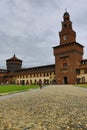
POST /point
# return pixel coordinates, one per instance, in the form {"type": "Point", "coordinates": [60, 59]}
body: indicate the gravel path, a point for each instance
{"type": "Point", "coordinates": [51, 108]}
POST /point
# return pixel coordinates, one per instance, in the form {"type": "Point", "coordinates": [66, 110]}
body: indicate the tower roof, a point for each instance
{"type": "Point", "coordinates": [66, 16]}
{"type": "Point", "coordinates": [14, 58]}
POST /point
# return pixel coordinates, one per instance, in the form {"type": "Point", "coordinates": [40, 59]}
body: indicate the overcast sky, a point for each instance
{"type": "Point", "coordinates": [29, 28]}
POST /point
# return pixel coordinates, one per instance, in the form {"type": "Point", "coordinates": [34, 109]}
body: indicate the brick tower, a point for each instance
{"type": "Point", "coordinates": [13, 64]}
{"type": "Point", "coordinates": [68, 54]}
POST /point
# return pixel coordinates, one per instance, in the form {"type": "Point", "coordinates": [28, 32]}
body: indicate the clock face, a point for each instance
{"type": "Point", "coordinates": [64, 37]}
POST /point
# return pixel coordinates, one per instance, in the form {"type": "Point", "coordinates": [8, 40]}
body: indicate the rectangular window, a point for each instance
{"type": "Point", "coordinates": [85, 71]}
{"type": "Point", "coordinates": [78, 71]}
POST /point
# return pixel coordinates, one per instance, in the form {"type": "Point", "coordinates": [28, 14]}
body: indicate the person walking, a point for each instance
{"type": "Point", "coordinates": [40, 84]}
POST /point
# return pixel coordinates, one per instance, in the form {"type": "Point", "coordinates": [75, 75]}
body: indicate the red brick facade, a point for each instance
{"type": "Point", "coordinates": [68, 54]}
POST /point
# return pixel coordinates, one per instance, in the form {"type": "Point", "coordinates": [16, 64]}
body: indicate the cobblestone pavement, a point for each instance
{"type": "Point", "coordinates": [51, 108]}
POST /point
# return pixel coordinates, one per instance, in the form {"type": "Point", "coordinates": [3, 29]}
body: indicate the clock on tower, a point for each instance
{"type": "Point", "coordinates": [64, 37]}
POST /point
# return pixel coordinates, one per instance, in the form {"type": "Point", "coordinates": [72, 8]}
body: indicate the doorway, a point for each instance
{"type": "Point", "coordinates": [65, 80]}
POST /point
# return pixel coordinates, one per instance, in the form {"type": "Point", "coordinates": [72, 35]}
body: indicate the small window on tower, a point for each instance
{"type": "Point", "coordinates": [65, 25]}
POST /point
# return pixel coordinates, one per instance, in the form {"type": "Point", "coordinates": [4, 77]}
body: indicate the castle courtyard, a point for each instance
{"type": "Point", "coordinates": [58, 107]}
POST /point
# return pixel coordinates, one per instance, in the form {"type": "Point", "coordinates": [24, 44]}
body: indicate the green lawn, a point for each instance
{"type": "Point", "coordinates": [16, 88]}
{"type": "Point", "coordinates": [82, 85]}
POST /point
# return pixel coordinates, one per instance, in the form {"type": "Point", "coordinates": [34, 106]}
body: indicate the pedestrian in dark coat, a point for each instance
{"type": "Point", "coordinates": [40, 84]}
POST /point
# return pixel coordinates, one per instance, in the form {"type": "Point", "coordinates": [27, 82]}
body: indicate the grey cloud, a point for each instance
{"type": "Point", "coordinates": [29, 28]}
{"type": "Point", "coordinates": [44, 4]}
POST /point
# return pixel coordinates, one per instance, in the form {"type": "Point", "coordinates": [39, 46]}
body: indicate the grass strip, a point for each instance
{"type": "Point", "coordinates": [16, 88]}
{"type": "Point", "coordinates": [82, 85]}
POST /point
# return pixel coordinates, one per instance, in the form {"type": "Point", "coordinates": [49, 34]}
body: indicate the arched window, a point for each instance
{"type": "Point", "coordinates": [64, 64]}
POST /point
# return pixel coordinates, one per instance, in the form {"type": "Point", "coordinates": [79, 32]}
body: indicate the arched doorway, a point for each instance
{"type": "Point", "coordinates": [83, 80]}
{"type": "Point", "coordinates": [65, 80]}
